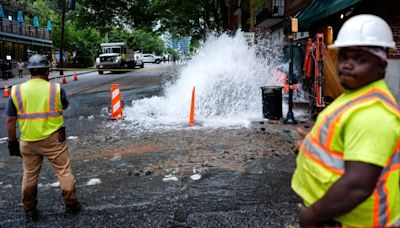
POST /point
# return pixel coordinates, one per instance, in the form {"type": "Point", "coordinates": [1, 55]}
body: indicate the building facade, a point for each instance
{"type": "Point", "coordinates": [17, 39]}
{"type": "Point", "coordinates": [317, 16]}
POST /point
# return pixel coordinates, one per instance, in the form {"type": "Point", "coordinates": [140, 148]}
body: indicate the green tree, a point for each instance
{"type": "Point", "coordinates": [147, 42]}
{"type": "Point", "coordinates": [179, 17]}
{"type": "Point", "coordinates": [190, 17]}
{"type": "Point", "coordinates": [84, 42]}
{"type": "Point", "coordinates": [115, 13]}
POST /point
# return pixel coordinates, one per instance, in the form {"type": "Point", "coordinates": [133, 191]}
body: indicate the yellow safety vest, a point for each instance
{"type": "Point", "coordinates": [319, 166]}
{"type": "Point", "coordinates": [39, 108]}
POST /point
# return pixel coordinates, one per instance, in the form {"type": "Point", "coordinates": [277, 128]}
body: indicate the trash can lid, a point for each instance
{"type": "Point", "coordinates": [271, 87]}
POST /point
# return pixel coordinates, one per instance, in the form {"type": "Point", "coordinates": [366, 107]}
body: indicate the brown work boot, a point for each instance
{"type": "Point", "coordinates": [73, 208]}
{"type": "Point", "coordinates": [31, 216]}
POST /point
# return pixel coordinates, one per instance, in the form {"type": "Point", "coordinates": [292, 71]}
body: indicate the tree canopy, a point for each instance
{"type": "Point", "coordinates": [189, 17]}
{"type": "Point", "coordinates": [179, 17]}
{"type": "Point", "coordinates": [136, 22]}
{"type": "Point", "coordinates": [124, 14]}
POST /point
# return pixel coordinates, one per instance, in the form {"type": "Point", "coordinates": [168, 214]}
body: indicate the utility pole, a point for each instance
{"type": "Point", "coordinates": [63, 10]}
{"type": "Point", "coordinates": [71, 6]}
{"type": "Point", "coordinates": [290, 117]}
{"type": "Point", "coordinates": [291, 28]}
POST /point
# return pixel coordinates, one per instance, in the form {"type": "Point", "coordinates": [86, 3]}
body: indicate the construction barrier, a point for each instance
{"type": "Point", "coordinates": [191, 116]}
{"type": "Point", "coordinates": [64, 80]}
{"type": "Point", "coordinates": [6, 91]}
{"type": "Point", "coordinates": [116, 105]}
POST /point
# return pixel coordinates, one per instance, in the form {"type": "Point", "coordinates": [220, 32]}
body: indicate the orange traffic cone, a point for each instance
{"type": "Point", "coordinates": [191, 117]}
{"type": "Point", "coordinates": [116, 104]}
{"type": "Point", "coordinates": [6, 91]}
{"type": "Point", "coordinates": [75, 77]}
{"type": "Point", "coordinates": [64, 80]}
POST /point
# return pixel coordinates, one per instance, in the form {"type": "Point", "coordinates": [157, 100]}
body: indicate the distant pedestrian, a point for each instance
{"type": "Point", "coordinates": [348, 166]}
{"type": "Point", "coordinates": [20, 68]}
{"type": "Point", "coordinates": [38, 106]}
{"type": "Point", "coordinates": [174, 59]}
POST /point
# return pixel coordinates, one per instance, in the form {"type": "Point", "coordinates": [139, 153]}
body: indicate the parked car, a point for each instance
{"type": "Point", "coordinates": [139, 59]}
{"type": "Point", "coordinates": [150, 58]}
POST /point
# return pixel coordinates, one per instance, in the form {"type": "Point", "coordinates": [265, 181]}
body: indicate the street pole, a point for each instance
{"type": "Point", "coordinates": [62, 37]}
{"type": "Point", "coordinates": [290, 117]}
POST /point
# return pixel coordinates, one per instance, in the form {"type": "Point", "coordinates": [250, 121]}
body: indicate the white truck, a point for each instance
{"type": "Point", "coordinates": [117, 56]}
{"type": "Point", "coordinates": [150, 58]}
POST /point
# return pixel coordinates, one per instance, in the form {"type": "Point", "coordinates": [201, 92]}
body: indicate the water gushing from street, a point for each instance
{"type": "Point", "coordinates": [227, 74]}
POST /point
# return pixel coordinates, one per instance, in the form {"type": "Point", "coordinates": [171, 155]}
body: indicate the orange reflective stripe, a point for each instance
{"type": "Point", "coordinates": [57, 94]}
{"type": "Point", "coordinates": [312, 157]}
{"type": "Point", "coordinates": [382, 213]}
{"type": "Point", "coordinates": [49, 100]}
{"type": "Point", "coordinates": [52, 111]}
{"type": "Point", "coordinates": [35, 116]}
{"type": "Point", "coordinates": [393, 163]}
{"type": "Point", "coordinates": [395, 167]}
{"type": "Point", "coordinates": [331, 152]}
{"type": "Point", "coordinates": [322, 157]}
{"type": "Point", "coordinates": [381, 208]}
{"type": "Point", "coordinates": [326, 132]}
{"type": "Point", "coordinates": [375, 210]}
{"type": "Point", "coordinates": [18, 95]}
{"type": "Point", "coordinates": [52, 97]}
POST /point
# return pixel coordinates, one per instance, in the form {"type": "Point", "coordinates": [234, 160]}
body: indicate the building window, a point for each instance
{"type": "Point", "coordinates": [278, 7]}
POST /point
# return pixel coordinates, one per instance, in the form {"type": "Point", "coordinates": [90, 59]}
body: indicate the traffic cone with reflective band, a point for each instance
{"type": "Point", "coordinates": [116, 105]}
{"type": "Point", "coordinates": [64, 80]}
{"type": "Point", "coordinates": [75, 77]}
{"type": "Point", "coordinates": [6, 91]}
{"type": "Point", "coordinates": [191, 117]}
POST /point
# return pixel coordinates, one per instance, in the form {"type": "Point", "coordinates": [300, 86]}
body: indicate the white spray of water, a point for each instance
{"type": "Point", "coordinates": [227, 75]}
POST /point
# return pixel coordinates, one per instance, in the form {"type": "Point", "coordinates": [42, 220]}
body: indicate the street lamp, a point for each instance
{"type": "Point", "coordinates": [291, 27]}
{"type": "Point", "coordinates": [63, 5]}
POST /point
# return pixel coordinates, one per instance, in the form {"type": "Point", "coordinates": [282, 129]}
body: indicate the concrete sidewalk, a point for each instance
{"type": "Point", "coordinates": [53, 75]}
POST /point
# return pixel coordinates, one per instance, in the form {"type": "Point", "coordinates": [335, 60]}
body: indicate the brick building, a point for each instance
{"type": "Point", "coordinates": [316, 16]}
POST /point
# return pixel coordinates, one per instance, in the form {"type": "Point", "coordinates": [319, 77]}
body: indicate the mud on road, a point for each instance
{"type": "Point", "coordinates": [178, 178]}
{"type": "Point", "coordinates": [145, 181]}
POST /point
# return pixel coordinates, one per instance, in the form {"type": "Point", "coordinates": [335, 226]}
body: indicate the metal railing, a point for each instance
{"type": "Point", "coordinates": [23, 29]}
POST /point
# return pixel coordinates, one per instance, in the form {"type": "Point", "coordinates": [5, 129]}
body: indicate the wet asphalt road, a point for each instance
{"type": "Point", "coordinates": [125, 180]}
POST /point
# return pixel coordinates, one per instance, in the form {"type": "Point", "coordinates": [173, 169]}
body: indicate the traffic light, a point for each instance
{"type": "Point", "coordinates": [291, 26]}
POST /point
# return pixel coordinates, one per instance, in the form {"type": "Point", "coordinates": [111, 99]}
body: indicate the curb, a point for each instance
{"type": "Point", "coordinates": [56, 77]}
{"type": "Point", "coordinates": [70, 75]}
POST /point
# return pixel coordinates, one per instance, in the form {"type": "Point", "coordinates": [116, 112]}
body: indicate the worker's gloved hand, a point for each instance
{"type": "Point", "coordinates": [13, 148]}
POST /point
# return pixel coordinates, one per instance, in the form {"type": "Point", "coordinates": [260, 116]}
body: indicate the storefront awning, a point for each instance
{"type": "Point", "coordinates": [319, 9]}
{"type": "Point", "coordinates": [20, 17]}
{"type": "Point", "coordinates": [1, 11]}
{"type": "Point", "coordinates": [49, 26]}
{"type": "Point", "coordinates": [35, 21]}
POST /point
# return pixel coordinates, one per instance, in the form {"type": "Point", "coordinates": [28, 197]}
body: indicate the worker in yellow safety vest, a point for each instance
{"type": "Point", "coordinates": [348, 166]}
{"type": "Point", "coordinates": [38, 106]}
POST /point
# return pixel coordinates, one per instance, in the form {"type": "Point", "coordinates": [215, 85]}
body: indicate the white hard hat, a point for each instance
{"type": "Point", "coordinates": [365, 30]}
{"type": "Point", "coordinates": [38, 61]}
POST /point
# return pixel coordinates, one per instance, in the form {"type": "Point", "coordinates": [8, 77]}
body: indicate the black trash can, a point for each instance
{"type": "Point", "coordinates": [272, 102]}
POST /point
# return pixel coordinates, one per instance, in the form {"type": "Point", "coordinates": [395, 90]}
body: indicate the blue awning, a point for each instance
{"type": "Point", "coordinates": [1, 11]}
{"type": "Point", "coordinates": [20, 17]}
{"type": "Point", "coordinates": [49, 26]}
{"type": "Point", "coordinates": [319, 9]}
{"type": "Point", "coordinates": [35, 21]}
